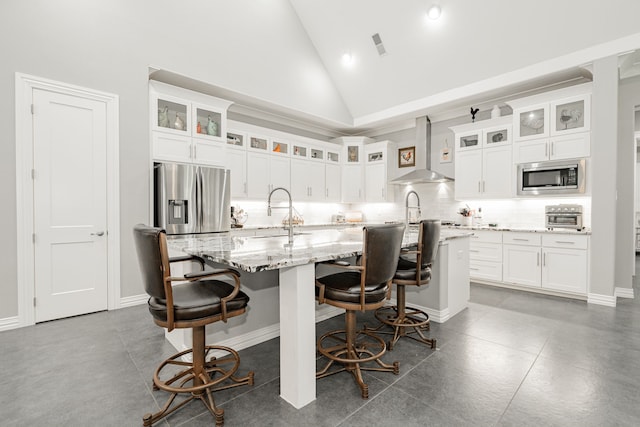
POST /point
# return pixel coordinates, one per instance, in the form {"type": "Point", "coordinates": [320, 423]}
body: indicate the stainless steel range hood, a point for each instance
{"type": "Point", "coordinates": [423, 174]}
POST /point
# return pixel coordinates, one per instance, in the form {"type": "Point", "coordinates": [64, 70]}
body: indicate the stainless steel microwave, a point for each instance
{"type": "Point", "coordinates": [552, 177]}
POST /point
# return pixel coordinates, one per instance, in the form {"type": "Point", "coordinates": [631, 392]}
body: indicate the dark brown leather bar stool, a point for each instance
{"type": "Point", "coordinates": [360, 287]}
{"type": "Point", "coordinates": [414, 269]}
{"type": "Point", "coordinates": [193, 305]}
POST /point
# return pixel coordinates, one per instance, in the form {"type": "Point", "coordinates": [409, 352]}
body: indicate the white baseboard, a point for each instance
{"type": "Point", "coordinates": [607, 300]}
{"type": "Point", "coordinates": [133, 300]}
{"type": "Point", "coordinates": [252, 338]}
{"type": "Point", "coordinates": [438, 316]}
{"type": "Point", "coordinates": [624, 292]}
{"type": "Point", "coordinates": [9, 323]}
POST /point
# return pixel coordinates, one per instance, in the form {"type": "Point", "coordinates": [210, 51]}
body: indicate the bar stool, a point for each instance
{"type": "Point", "coordinates": [193, 305]}
{"type": "Point", "coordinates": [359, 288]}
{"type": "Point", "coordinates": [413, 269]}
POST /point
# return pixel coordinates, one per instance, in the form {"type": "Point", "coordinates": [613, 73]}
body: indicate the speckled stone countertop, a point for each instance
{"type": "Point", "coordinates": [585, 231]}
{"type": "Point", "coordinates": [259, 253]}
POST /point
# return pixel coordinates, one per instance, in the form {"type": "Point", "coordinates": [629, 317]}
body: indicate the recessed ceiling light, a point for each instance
{"type": "Point", "coordinates": [347, 59]}
{"type": "Point", "coordinates": [434, 12]}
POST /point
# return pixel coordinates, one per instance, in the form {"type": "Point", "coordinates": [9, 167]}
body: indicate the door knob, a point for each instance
{"type": "Point", "coordinates": [99, 233]}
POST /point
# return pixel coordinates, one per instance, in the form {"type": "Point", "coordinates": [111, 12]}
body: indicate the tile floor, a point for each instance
{"type": "Point", "coordinates": [511, 359]}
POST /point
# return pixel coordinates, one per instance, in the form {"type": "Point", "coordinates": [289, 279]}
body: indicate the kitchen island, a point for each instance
{"type": "Point", "coordinates": [261, 256]}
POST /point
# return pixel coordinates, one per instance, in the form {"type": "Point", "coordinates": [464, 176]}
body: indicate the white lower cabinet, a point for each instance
{"type": "Point", "coordinates": [485, 256]}
{"type": "Point", "coordinates": [521, 265]}
{"type": "Point", "coordinates": [565, 263]}
{"type": "Point", "coordinates": [557, 262]}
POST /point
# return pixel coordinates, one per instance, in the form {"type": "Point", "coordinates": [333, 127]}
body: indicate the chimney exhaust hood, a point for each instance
{"type": "Point", "coordinates": [425, 174]}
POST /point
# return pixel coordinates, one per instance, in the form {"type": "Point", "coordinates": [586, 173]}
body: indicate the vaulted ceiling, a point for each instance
{"type": "Point", "coordinates": [477, 52]}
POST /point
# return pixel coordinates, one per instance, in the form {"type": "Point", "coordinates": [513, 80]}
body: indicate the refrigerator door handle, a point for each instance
{"type": "Point", "coordinates": [199, 190]}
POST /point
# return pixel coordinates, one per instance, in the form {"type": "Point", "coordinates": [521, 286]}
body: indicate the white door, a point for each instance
{"type": "Point", "coordinates": [257, 175]}
{"type": "Point", "coordinates": [521, 265]}
{"type": "Point", "coordinates": [237, 164]}
{"type": "Point", "coordinates": [70, 208]}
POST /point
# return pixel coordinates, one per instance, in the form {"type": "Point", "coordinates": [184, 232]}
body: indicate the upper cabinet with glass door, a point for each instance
{"type": "Point", "coordinates": [571, 115]}
{"type": "Point", "coordinates": [469, 140]}
{"type": "Point", "coordinates": [499, 133]}
{"type": "Point", "coordinates": [531, 122]}
{"type": "Point", "coordinates": [172, 114]}
{"type": "Point", "coordinates": [208, 122]}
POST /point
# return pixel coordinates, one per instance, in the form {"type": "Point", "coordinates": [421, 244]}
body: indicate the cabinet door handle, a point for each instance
{"type": "Point", "coordinates": [195, 152]}
{"type": "Point", "coordinates": [552, 148]}
{"type": "Point", "coordinates": [382, 192]}
{"type": "Point", "coordinates": [479, 191]}
{"type": "Point", "coordinates": [359, 193]}
{"type": "Point", "coordinates": [520, 240]}
{"type": "Point", "coordinates": [326, 192]}
{"type": "Point", "coordinates": [546, 149]}
{"type": "Point", "coordinates": [473, 269]}
{"type": "Point", "coordinates": [538, 259]}
{"type": "Point", "coordinates": [484, 188]}
{"type": "Point", "coordinates": [245, 187]}
{"type": "Point", "coordinates": [544, 260]}
{"type": "Point", "coordinates": [311, 191]}
{"type": "Point", "coordinates": [565, 242]}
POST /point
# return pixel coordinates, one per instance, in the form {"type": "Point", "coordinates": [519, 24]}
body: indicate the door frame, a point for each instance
{"type": "Point", "coordinates": [24, 85]}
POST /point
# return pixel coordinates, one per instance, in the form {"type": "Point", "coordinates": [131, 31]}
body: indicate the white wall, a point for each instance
{"type": "Point", "coordinates": [252, 47]}
{"type": "Point", "coordinates": [604, 156]}
{"type": "Point", "coordinates": [629, 99]}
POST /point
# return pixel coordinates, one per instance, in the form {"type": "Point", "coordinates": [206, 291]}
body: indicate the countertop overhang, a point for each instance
{"type": "Point", "coordinates": [260, 253]}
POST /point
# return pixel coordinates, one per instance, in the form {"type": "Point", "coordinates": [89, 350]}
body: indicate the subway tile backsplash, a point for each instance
{"type": "Point", "coordinates": [436, 201]}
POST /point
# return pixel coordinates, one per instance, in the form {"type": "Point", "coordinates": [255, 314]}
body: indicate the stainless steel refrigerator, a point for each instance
{"type": "Point", "coordinates": [191, 199]}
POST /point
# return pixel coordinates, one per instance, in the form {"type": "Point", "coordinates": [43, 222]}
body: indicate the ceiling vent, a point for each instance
{"type": "Point", "coordinates": [378, 42]}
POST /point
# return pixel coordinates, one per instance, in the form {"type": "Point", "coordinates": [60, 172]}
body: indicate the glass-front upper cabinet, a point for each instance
{"type": "Point", "coordinates": [353, 154]}
{"type": "Point", "coordinates": [259, 143]}
{"type": "Point", "coordinates": [280, 147]}
{"type": "Point", "coordinates": [300, 151]}
{"type": "Point", "coordinates": [468, 140]}
{"type": "Point", "coordinates": [497, 135]}
{"type": "Point", "coordinates": [316, 153]}
{"type": "Point", "coordinates": [237, 139]}
{"type": "Point", "coordinates": [571, 115]}
{"type": "Point", "coordinates": [333, 157]}
{"type": "Point", "coordinates": [172, 115]}
{"type": "Point", "coordinates": [207, 122]}
{"type": "Point", "coordinates": [531, 122]}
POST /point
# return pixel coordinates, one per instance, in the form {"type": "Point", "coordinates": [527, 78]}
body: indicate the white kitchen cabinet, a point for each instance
{"type": "Point", "coordinates": [468, 174]}
{"type": "Point", "coordinates": [308, 180]}
{"type": "Point", "coordinates": [173, 148]}
{"type": "Point", "coordinates": [485, 173]}
{"type": "Point", "coordinates": [266, 172]}
{"type": "Point", "coordinates": [333, 182]}
{"type": "Point", "coordinates": [565, 262]}
{"type": "Point", "coordinates": [484, 168]}
{"type": "Point", "coordinates": [379, 157]}
{"type": "Point", "coordinates": [556, 262]}
{"type": "Point", "coordinates": [521, 265]}
{"type": "Point", "coordinates": [177, 130]}
{"type": "Point", "coordinates": [553, 125]}
{"type": "Point", "coordinates": [352, 184]}
{"type": "Point", "coordinates": [237, 164]}
{"type": "Point", "coordinates": [485, 256]}
{"type": "Point", "coordinates": [570, 146]}
{"type": "Point", "coordinates": [497, 172]}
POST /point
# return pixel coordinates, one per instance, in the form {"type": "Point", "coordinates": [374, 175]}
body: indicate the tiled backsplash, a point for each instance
{"type": "Point", "coordinates": [436, 201]}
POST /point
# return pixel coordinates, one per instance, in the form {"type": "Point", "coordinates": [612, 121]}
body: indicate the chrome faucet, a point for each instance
{"type": "Point", "coordinates": [407, 207]}
{"type": "Point", "coordinates": [290, 211]}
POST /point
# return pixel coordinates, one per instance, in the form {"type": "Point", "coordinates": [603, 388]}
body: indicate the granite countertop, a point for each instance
{"type": "Point", "coordinates": [585, 231]}
{"type": "Point", "coordinates": [259, 253]}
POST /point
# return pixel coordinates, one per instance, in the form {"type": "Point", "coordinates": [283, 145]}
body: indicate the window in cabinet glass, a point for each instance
{"type": "Point", "coordinates": [532, 123]}
{"type": "Point", "coordinates": [299, 151]}
{"type": "Point", "coordinates": [469, 141]}
{"type": "Point", "coordinates": [353, 155]}
{"type": "Point", "coordinates": [235, 139]}
{"type": "Point", "coordinates": [258, 143]}
{"type": "Point", "coordinates": [333, 157]}
{"type": "Point", "coordinates": [208, 122]}
{"type": "Point", "coordinates": [172, 115]}
{"type": "Point", "coordinates": [317, 154]}
{"type": "Point", "coordinates": [497, 136]}
{"type": "Point", "coordinates": [569, 116]}
{"type": "Point", "coordinates": [280, 147]}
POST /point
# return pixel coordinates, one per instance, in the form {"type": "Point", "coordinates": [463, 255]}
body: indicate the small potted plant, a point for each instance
{"type": "Point", "coordinates": [466, 213]}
